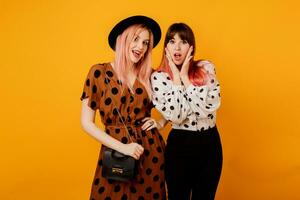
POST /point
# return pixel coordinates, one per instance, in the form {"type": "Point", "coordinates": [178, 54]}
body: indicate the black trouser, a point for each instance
{"type": "Point", "coordinates": [193, 164]}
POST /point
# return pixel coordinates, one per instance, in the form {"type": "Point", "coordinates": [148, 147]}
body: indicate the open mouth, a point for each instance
{"type": "Point", "coordinates": [177, 56]}
{"type": "Point", "coordinates": [136, 53]}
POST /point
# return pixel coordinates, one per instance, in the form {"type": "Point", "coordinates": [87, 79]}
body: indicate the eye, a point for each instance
{"type": "Point", "coordinates": [184, 42]}
{"type": "Point", "coordinates": [136, 39]}
{"type": "Point", "coordinates": [146, 43]}
{"type": "Point", "coordinates": [172, 41]}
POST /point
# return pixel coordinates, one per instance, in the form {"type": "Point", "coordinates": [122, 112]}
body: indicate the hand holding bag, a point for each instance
{"type": "Point", "coordinates": [117, 166]}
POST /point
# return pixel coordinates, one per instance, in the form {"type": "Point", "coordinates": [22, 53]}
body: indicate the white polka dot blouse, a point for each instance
{"type": "Point", "coordinates": [192, 108]}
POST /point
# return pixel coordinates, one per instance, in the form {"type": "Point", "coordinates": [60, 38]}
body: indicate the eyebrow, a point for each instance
{"type": "Point", "coordinates": [179, 39]}
{"type": "Point", "coordinates": [137, 36]}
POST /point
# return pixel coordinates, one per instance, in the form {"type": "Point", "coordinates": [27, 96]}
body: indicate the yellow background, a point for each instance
{"type": "Point", "coordinates": [47, 48]}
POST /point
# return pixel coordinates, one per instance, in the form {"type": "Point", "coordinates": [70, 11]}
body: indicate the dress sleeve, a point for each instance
{"type": "Point", "coordinates": [204, 100]}
{"type": "Point", "coordinates": [92, 87]}
{"type": "Point", "coordinates": [168, 98]}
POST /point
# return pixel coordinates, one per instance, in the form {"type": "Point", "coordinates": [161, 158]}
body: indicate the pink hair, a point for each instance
{"type": "Point", "coordinates": [197, 73]}
{"type": "Point", "coordinates": [143, 68]}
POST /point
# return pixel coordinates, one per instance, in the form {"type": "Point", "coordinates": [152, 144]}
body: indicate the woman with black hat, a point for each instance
{"type": "Point", "coordinates": [121, 91]}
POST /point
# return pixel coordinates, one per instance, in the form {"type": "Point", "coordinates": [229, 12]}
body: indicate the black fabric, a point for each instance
{"type": "Point", "coordinates": [193, 164]}
{"type": "Point", "coordinates": [139, 19]}
{"type": "Point", "coordinates": [117, 166]}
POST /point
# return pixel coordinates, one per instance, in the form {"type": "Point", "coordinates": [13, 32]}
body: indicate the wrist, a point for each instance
{"type": "Point", "coordinates": [184, 77]}
{"type": "Point", "coordinates": [158, 125]}
{"type": "Point", "coordinates": [186, 81]}
{"type": "Point", "coordinates": [121, 148]}
{"type": "Point", "coordinates": [177, 80]}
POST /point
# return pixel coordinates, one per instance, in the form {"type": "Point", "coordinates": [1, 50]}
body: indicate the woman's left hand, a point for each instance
{"type": "Point", "coordinates": [186, 63]}
{"type": "Point", "coordinates": [149, 123]}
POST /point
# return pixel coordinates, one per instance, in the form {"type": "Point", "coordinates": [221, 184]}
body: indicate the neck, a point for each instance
{"type": "Point", "coordinates": [179, 66]}
{"type": "Point", "coordinates": [132, 66]}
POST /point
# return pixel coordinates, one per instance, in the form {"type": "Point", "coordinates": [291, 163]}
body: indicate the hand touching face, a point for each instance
{"type": "Point", "coordinates": [178, 49]}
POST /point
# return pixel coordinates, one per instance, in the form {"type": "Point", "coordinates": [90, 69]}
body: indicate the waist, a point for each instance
{"type": "Point", "coordinates": [135, 123]}
{"type": "Point", "coordinates": [204, 131]}
{"type": "Point", "coordinates": [195, 125]}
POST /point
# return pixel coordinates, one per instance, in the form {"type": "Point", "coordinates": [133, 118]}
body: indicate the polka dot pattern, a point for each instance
{"type": "Point", "coordinates": [191, 108]}
{"type": "Point", "coordinates": [133, 105]}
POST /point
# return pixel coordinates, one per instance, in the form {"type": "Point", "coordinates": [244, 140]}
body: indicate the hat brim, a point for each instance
{"type": "Point", "coordinates": [138, 19]}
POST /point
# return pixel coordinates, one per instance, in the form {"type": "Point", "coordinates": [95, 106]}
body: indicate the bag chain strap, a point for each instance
{"type": "Point", "coordinates": [120, 116]}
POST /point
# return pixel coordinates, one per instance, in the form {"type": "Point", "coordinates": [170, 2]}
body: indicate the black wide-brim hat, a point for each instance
{"type": "Point", "coordinates": [138, 19]}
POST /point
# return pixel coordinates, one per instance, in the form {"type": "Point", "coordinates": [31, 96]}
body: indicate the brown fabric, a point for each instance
{"type": "Point", "coordinates": [150, 182]}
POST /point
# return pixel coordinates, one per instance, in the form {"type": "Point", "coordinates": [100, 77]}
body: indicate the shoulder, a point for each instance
{"type": "Point", "coordinates": [159, 75]}
{"type": "Point", "coordinates": [207, 65]}
{"type": "Point", "coordinates": [97, 70]}
{"type": "Point", "coordinates": [99, 66]}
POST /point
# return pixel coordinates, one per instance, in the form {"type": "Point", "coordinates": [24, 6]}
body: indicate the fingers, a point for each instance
{"type": "Point", "coordinates": [173, 67]}
{"type": "Point", "coordinates": [151, 127]}
{"type": "Point", "coordinates": [187, 59]}
{"type": "Point", "coordinates": [185, 65]}
{"type": "Point", "coordinates": [149, 124]}
{"type": "Point", "coordinates": [189, 55]}
{"type": "Point", "coordinates": [135, 156]}
{"type": "Point", "coordinates": [170, 61]}
{"type": "Point", "coordinates": [145, 119]}
{"type": "Point", "coordinates": [168, 55]}
{"type": "Point", "coordinates": [138, 150]}
{"type": "Point", "coordinates": [146, 124]}
{"type": "Point", "coordinates": [190, 50]}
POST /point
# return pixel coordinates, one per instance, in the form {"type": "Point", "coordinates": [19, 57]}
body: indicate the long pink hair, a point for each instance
{"type": "Point", "coordinates": [143, 68]}
{"type": "Point", "coordinates": [197, 74]}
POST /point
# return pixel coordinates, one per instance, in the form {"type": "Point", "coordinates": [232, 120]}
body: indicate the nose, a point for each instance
{"type": "Point", "coordinates": [177, 46]}
{"type": "Point", "coordinates": [140, 45]}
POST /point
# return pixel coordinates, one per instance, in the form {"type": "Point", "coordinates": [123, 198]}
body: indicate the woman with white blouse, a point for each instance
{"type": "Point", "coordinates": [187, 93]}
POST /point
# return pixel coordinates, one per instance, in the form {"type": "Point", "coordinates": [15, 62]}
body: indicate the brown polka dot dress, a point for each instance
{"type": "Point", "coordinates": [133, 107]}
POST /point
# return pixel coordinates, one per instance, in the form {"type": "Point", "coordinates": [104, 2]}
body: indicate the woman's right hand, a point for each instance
{"type": "Point", "coordinates": [184, 72]}
{"type": "Point", "coordinates": [173, 67]}
{"type": "Point", "coordinates": [133, 149]}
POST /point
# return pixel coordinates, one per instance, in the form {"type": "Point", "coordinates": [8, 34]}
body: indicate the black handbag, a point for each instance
{"type": "Point", "coordinates": [117, 166]}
